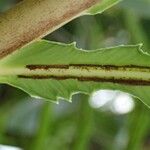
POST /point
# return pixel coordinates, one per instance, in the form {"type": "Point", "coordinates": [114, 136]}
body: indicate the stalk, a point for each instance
{"type": "Point", "coordinates": [84, 124]}
{"type": "Point", "coordinates": [139, 124]}
{"type": "Point", "coordinates": [44, 127]}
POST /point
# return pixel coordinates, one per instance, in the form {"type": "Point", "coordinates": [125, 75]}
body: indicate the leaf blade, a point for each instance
{"type": "Point", "coordinates": [102, 6]}
{"type": "Point", "coordinates": [54, 70]}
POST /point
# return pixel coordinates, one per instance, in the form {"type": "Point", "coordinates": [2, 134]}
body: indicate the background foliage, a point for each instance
{"type": "Point", "coordinates": [36, 124]}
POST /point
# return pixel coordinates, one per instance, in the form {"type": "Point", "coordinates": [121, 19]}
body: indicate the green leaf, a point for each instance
{"type": "Point", "coordinates": [5, 4]}
{"type": "Point", "coordinates": [140, 7]}
{"type": "Point", "coordinates": [102, 6]}
{"type": "Point", "coordinates": [53, 70]}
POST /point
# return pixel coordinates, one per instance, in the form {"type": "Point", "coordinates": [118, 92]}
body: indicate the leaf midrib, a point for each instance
{"type": "Point", "coordinates": [78, 71]}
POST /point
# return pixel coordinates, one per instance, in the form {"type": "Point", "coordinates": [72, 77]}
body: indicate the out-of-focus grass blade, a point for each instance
{"type": "Point", "coordinates": [141, 7]}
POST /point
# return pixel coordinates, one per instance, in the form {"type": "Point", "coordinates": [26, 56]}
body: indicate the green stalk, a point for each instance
{"type": "Point", "coordinates": [3, 122]}
{"type": "Point", "coordinates": [44, 127]}
{"type": "Point", "coordinates": [5, 112]}
{"type": "Point", "coordinates": [84, 124]}
{"type": "Point", "coordinates": [139, 124]}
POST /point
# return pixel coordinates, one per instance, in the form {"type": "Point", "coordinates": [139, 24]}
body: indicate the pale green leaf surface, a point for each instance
{"type": "Point", "coordinates": [101, 6]}
{"type": "Point", "coordinates": [52, 53]}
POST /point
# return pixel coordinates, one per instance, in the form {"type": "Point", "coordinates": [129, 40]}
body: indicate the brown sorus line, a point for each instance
{"type": "Point", "coordinates": [46, 67]}
{"type": "Point", "coordinates": [60, 66]}
{"type": "Point", "coordinates": [110, 66]}
{"type": "Point", "coordinates": [95, 79]}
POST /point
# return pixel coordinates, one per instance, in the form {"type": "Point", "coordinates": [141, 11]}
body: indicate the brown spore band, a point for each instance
{"type": "Point", "coordinates": [94, 79]}
{"type": "Point", "coordinates": [107, 67]}
{"type": "Point", "coordinates": [46, 67]}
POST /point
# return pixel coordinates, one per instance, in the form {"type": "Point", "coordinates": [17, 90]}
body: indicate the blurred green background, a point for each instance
{"type": "Point", "coordinates": [107, 120]}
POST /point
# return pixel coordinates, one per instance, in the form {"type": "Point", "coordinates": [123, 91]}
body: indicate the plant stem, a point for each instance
{"type": "Point", "coordinates": [32, 19]}
{"type": "Point", "coordinates": [44, 127]}
{"type": "Point", "coordinates": [139, 123]}
{"type": "Point", "coordinates": [84, 125]}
